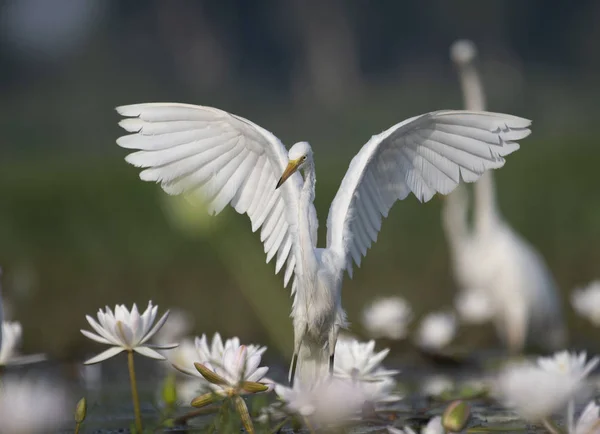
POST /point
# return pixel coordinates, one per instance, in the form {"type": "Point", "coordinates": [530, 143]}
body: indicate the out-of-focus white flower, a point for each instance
{"type": "Point", "coordinates": [567, 363]}
{"type": "Point", "coordinates": [11, 332]}
{"type": "Point", "coordinates": [379, 392]}
{"type": "Point", "coordinates": [32, 407]}
{"type": "Point", "coordinates": [126, 330]}
{"type": "Point", "coordinates": [434, 426]}
{"type": "Point", "coordinates": [9, 349]}
{"type": "Point", "coordinates": [358, 361]}
{"type": "Point", "coordinates": [474, 307]}
{"type": "Point", "coordinates": [535, 393]}
{"type": "Point", "coordinates": [236, 367]}
{"type": "Point", "coordinates": [332, 401]}
{"type": "Point", "coordinates": [388, 317]}
{"type": "Point", "coordinates": [586, 301]}
{"type": "Point", "coordinates": [436, 385]}
{"type": "Point", "coordinates": [436, 330]}
{"type": "Point", "coordinates": [177, 326]}
{"type": "Point", "coordinates": [588, 422]}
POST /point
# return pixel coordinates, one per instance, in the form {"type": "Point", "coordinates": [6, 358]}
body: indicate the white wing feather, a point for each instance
{"type": "Point", "coordinates": [224, 159]}
{"type": "Point", "coordinates": [426, 154]}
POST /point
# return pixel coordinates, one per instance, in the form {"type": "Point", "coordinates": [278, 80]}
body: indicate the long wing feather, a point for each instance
{"type": "Point", "coordinates": [224, 159]}
{"type": "Point", "coordinates": [425, 155]}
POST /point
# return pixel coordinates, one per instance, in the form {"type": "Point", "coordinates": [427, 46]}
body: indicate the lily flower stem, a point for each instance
{"type": "Point", "coordinates": [195, 413]}
{"type": "Point", "coordinates": [134, 392]}
{"type": "Point", "coordinates": [277, 428]}
{"type": "Point", "coordinates": [77, 427]}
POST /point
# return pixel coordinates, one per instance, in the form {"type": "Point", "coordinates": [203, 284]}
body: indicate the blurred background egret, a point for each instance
{"type": "Point", "coordinates": [78, 230]}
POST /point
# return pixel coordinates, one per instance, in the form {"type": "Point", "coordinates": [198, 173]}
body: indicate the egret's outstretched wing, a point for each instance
{"type": "Point", "coordinates": [224, 159]}
{"type": "Point", "coordinates": [426, 154]}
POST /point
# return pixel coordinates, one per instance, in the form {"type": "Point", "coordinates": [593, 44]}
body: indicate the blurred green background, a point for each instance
{"type": "Point", "coordinates": [79, 230]}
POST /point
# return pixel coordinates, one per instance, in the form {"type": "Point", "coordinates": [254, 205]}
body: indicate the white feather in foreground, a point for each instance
{"type": "Point", "coordinates": [227, 159]}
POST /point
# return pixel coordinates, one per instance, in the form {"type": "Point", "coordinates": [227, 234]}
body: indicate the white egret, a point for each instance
{"type": "Point", "coordinates": [227, 159]}
{"type": "Point", "coordinates": [491, 256]}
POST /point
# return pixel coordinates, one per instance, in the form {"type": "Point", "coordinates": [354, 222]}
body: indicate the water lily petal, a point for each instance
{"type": "Point", "coordinates": [163, 346]}
{"type": "Point", "coordinates": [217, 348]}
{"type": "Point", "coordinates": [124, 333]}
{"type": "Point", "coordinates": [202, 348]}
{"type": "Point", "coordinates": [252, 363]}
{"type": "Point", "coordinates": [101, 330]}
{"type": "Point", "coordinates": [111, 352]}
{"type": "Point", "coordinates": [149, 352]}
{"type": "Point", "coordinates": [258, 374]}
{"type": "Point", "coordinates": [95, 337]}
{"type": "Point", "coordinates": [135, 323]}
{"type": "Point", "coordinates": [377, 359]}
{"type": "Point", "coordinates": [156, 328]}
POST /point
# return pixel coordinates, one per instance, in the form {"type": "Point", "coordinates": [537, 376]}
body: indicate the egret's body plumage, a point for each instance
{"type": "Point", "coordinates": [491, 256]}
{"type": "Point", "coordinates": [227, 159]}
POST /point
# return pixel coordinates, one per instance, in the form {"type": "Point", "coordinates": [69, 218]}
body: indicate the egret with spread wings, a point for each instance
{"type": "Point", "coordinates": [229, 160]}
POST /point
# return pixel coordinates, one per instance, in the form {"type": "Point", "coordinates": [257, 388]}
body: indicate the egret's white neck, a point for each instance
{"type": "Point", "coordinates": [454, 218]}
{"type": "Point", "coordinates": [486, 213]}
{"type": "Point", "coordinates": [306, 243]}
{"type": "Point", "coordinates": [472, 88]}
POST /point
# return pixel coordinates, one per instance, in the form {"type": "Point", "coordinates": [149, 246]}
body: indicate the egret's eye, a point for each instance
{"type": "Point", "coordinates": [304, 158]}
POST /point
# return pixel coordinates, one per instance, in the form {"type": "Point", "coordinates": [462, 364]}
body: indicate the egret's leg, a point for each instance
{"type": "Point", "coordinates": [293, 369]}
{"type": "Point", "coordinates": [333, 335]}
{"type": "Point", "coordinates": [299, 332]}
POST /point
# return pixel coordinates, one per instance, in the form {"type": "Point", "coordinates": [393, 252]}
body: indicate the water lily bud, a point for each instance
{"type": "Point", "coordinates": [210, 376]}
{"type": "Point", "coordinates": [456, 416]}
{"type": "Point", "coordinates": [254, 387]}
{"type": "Point", "coordinates": [81, 410]}
{"type": "Point", "coordinates": [203, 400]}
{"type": "Point", "coordinates": [242, 409]}
{"type": "Point", "coordinates": [169, 391]}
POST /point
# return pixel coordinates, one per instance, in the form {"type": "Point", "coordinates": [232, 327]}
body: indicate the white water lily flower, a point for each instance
{"type": "Point", "coordinates": [535, 393]}
{"type": "Point", "coordinates": [379, 392]}
{"type": "Point", "coordinates": [216, 350]}
{"type": "Point", "coordinates": [331, 401]}
{"type": "Point", "coordinates": [588, 422]}
{"type": "Point", "coordinates": [474, 307]}
{"type": "Point", "coordinates": [434, 426]}
{"type": "Point", "coordinates": [237, 366]}
{"type": "Point", "coordinates": [32, 407]}
{"type": "Point", "coordinates": [188, 353]}
{"type": "Point", "coordinates": [586, 301]}
{"type": "Point", "coordinates": [177, 326]}
{"type": "Point", "coordinates": [436, 330]}
{"type": "Point", "coordinates": [9, 349]}
{"type": "Point", "coordinates": [11, 332]}
{"type": "Point", "coordinates": [567, 363]}
{"type": "Point", "coordinates": [126, 331]}
{"type": "Point", "coordinates": [358, 361]}
{"type": "Point", "coordinates": [436, 385]}
{"type": "Point", "coordinates": [388, 317]}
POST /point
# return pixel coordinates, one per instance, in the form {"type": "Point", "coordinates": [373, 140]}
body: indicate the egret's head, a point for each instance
{"type": "Point", "coordinates": [298, 156]}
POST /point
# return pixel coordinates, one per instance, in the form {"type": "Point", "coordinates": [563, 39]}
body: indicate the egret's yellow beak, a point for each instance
{"type": "Point", "coordinates": [289, 171]}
